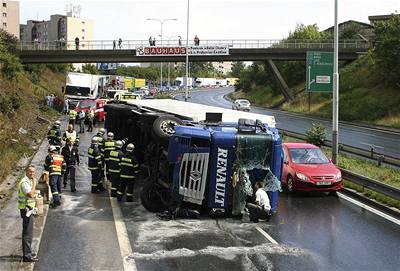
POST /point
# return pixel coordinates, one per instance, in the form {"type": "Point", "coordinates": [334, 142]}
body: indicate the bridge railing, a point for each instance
{"type": "Point", "coordinates": [236, 44]}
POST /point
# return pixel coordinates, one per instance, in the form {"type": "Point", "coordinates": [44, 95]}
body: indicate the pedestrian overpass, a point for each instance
{"type": "Point", "coordinates": [104, 51]}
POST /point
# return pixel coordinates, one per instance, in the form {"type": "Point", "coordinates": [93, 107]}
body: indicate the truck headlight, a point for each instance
{"type": "Point", "coordinates": [302, 177]}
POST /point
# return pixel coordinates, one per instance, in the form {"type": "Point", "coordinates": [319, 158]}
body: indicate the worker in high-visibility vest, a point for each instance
{"type": "Point", "coordinates": [129, 169]}
{"type": "Point", "coordinates": [114, 167]}
{"type": "Point", "coordinates": [72, 135]}
{"type": "Point", "coordinates": [55, 165]}
{"type": "Point", "coordinates": [26, 206]}
{"type": "Point", "coordinates": [72, 117]}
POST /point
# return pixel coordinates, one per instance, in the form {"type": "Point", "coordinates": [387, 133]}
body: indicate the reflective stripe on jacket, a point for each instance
{"type": "Point", "coordinates": [109, 146]}
{"type": "Point", "coordinates": [56, 165]}
{"type": "Point", "coordinates": [114, 160]}
{"type": "Point", "coordinates": [94, 157]}
{"type": "Point", "coordinates": [72, 115]}
{"type": "Point", "coordinates": [129, 166]}
{"type": "Point", "coordinates": [24, 200]}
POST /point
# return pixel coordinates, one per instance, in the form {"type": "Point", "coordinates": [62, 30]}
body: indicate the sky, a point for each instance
{"type": "Point", "coordinates": [209, 19]}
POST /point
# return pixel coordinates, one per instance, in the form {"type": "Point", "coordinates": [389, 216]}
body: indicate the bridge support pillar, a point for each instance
{"type": "Point", "coordinates": [283, 87]}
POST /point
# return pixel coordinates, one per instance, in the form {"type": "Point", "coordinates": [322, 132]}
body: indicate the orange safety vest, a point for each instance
{"type": "Point", "coordinates": [57, 161]}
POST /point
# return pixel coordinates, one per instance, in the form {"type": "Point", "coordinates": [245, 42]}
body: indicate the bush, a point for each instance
{"type": "Point", "coordinates": [316, 134]}
{"type": "Point", "coordinates": [10, 65]}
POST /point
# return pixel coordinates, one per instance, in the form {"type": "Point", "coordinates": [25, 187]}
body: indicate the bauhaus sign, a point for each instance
{"type": "Point", "coordinates": [181, 51]}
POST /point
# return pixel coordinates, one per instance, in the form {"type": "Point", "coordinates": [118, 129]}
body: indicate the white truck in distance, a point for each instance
{"type": "Point", "coordinates": [80, 86]}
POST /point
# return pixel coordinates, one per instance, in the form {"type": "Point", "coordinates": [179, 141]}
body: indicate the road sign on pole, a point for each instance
{"type": "Point", "coordinates": [319, 70]}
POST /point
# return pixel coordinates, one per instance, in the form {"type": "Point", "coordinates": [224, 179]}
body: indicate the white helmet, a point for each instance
{"type": "Point", "coordinates": [119, 144]}
{"type": "Point", "coordinates": [102, 131]}
{"type": "Point", "coordinates": [95, 140]}
{"type": "Point", "coordinates": [52, 148]}
{"type": "Point", "coordinates": [110, 135]}
{"type": "Point", "coordinates": [130, 147]}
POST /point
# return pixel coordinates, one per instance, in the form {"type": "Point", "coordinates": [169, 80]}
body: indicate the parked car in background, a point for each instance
{"type": "Point", "coordinates": [306, 168]}
{"type": "Point", "coordinates": [241, 104]}
{"type": "Point", "coordinates": [125, 96]}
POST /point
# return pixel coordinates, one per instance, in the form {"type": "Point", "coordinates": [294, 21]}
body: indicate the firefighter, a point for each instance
{"type": "Point", "coordinates": [129, 168]}
{"type": "Point", "coordinates": [72, 117]}
{"type": "Point", "coordinates": [109, 145]}
{"type": "Point", "coordinates": [113, 167]}
{"type": "Point", "coordinates": [94, 164]}
{"type": "Point", "coordinates": [71, 156]}
{"type": "Point", "coordinates": [55, 165]}
{"type": "Point", "coordinates": [100, 139]}
{"type": "Point", "coordinates": [54, 135]}
{"type": "Point", "coordinates": [72, 135]}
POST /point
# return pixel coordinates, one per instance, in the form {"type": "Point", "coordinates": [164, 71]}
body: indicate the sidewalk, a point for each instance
{"type": "Point", "coordinates": [11, 224]}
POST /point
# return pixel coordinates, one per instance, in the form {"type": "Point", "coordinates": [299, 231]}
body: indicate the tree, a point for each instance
{"type": "Point", "coordinates": [387, 49]}
{"type": "Point", "coordinates": [237, 68]}
{"type": "Point", "coordinates": [89, 68]}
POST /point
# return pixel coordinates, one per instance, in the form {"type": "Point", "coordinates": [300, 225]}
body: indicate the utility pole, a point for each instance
{"type": "Point", "coordinates": [335, 117]}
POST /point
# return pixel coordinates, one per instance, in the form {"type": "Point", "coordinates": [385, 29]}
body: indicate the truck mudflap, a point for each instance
{"type": "Point", "coordinates": [193, 177]}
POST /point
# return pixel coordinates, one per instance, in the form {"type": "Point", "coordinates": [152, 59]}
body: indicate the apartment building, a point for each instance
{"type": "Point", "coordinates": [9, 18]}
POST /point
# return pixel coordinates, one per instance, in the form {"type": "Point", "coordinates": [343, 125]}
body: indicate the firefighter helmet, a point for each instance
{"type": "Point", "coordinates": [119, 144]}
{"type": "Point", "coordinates": [130, 147]}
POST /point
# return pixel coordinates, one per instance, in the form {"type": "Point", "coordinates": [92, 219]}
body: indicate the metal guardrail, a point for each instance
{"type": "Point", "coordinates": [235, 44]}
{"type": "Point", "coordinates": [371, 154]}
{"type": "Point", "coordinates": [372, 184]}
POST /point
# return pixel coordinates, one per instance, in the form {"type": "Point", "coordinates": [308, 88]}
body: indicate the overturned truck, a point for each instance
{"type": "Point", "coordinates": [197, 156]}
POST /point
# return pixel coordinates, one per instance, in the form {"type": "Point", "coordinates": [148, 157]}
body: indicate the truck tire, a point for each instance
{"type": "Point", "coordinates": [150, 117]}
{"type": "Point", "coordinates": [150, 198]}
{"type": "Point", "coordinates": [164, 127]}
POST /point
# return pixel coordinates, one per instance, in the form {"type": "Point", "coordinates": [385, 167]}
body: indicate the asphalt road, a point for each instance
{"type": "Point", "coordinates": [316, 232]}
{"type": "Point", "coordinates": [360, 137]}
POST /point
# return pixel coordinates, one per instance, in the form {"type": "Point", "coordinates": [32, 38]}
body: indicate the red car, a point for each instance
{"type": "Point", "coordinates": [306, 168]}
{"type": "Point", "coordinates": [96, 105]}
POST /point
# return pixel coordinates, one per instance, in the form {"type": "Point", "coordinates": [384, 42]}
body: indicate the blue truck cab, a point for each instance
{"type": "Point", "coordinates": [206, 158]}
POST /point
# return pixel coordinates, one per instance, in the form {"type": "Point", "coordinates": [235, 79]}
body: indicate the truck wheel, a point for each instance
{"type": "Point", "coordinates": [164, 127]}
{"type": "Point", "coordinates": [150, 117]}
{"type": "Point", "coordinates": [151, 199]}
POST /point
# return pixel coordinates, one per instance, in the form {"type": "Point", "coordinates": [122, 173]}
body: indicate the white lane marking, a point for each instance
{"type": "Point", "coordinates": [266, 235]}
{"type": "Point", "coordinates": [123, 239]}
{"type": "Point", "coordinates": [369, 208]}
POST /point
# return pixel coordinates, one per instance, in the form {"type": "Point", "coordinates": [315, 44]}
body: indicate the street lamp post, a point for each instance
{"type": "Point", "coordinates": [187, 52]}
{"type": "Point", "coordinates": [161, 24]}
{"type": "Point", "coordinates": [335, 117]}
{"type": "Point", "coordinates": [169, 63]}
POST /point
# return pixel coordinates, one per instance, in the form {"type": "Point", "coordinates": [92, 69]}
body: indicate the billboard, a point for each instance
{"type": "Point", "coordinates": [181, 51]}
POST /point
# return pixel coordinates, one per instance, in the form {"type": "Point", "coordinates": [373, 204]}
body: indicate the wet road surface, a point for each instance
{"type": "Point", "coordinates": [348, 134]}
{"type": "Point", "coordinates": [316, 232]}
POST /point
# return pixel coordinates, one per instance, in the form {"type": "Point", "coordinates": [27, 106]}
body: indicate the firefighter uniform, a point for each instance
{"type": "Point", "coordinates": [94, 164]}
{"type": "Point", "coordinates": [100, 139]}
{"type": "Point", "coordinates": [72, 117]}
{"type": "Point", "coordinates": [129, 168]}
{"type": "Point", "coordinates": [55, 165]}
{"type": "Point", "coordinates": [54, 137]}
{"type": "Point", "coordinates": [114, 170]}
{"type": "Point", "coordinates": [109, 145]}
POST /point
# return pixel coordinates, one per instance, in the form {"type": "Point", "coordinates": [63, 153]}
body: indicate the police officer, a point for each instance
{"type": "Point", "coordinates": [109, 145]}
{"type": "Point", "coordinates": [71, 134]}
{"type": "Point", "coordinates": [114, 168]}
{"type": "Point", "coordinates": [54, 135]}
{"type": "Point", "coordinates": [94, 164]}
{"type": "Point", "coordinates": [55, 165]}
{"type": "Point", "coordinates": [72, 117]}
{"type": "Point", "coordinates": [129, 168]}
{"type": "Point", "coordinates": [71, 156]}
{"type": "Point", "coordinates": [26, 203]}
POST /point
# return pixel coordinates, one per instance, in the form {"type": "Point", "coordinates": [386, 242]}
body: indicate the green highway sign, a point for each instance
{"type": "Point", "coordinates": [319, 71]}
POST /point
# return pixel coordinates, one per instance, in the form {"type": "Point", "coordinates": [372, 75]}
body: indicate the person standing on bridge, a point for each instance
{"type": "Point", "coordinates": [129, 169]}
{"type": "Point", "coordinates": [27, 203]}
{"type": "Point", "coordinates": [151, 41]}
{"type": "Point", "coordinates": [120, 43]}
{"type": "Point", "coordinates": [196, 40]}
{"type": "Point", "coordinates": [76, 43]}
